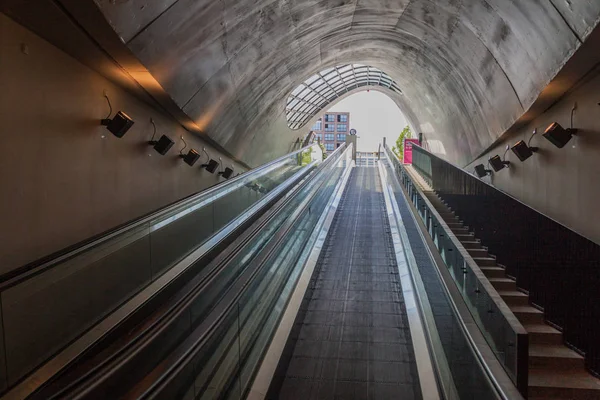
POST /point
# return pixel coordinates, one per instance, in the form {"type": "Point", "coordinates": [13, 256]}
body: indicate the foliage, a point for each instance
{"type": "Point", "coordinates": [323, 150]}
{"type": "Point", "coordinates": [398, 149]}
{"type": "Point", "coordinates": [305, 157]}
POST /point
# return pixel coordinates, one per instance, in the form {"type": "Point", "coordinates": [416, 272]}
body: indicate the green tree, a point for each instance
{"type": "Point", "coordinates": [398, 149]}
{"type": "Point", "coordinates": [323, 150]}
{"type": "Point", "coordinates": [305, 157]}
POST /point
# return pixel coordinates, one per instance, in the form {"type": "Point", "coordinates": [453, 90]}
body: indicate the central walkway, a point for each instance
{"type": "Point", "coordinates": [351, 339]}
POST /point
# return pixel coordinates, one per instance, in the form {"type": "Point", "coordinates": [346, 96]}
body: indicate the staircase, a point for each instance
{"type": "Point", "coordinates": [555, 371]}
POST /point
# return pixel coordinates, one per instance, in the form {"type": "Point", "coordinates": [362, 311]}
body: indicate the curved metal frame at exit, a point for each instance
{"type": "Point", "coordinates": [323, 88]}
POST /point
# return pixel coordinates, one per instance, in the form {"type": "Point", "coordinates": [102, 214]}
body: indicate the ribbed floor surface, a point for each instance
{"type": "Point", "coordinates": [351, 339]}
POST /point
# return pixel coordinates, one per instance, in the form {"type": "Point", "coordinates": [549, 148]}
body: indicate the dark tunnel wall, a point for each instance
{"type": "Point", "coordinates": [564, 184]}
{"type": "Point", "coordinates": [65, 177]}
{"type": "Point", "coordinates": [223, 69]}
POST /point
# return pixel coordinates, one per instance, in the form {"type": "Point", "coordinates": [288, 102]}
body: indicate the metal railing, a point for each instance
{"type": "Point", "coordinates": [47, 306]}
{"type": "Point", "coordinates": [557, 266]}
{"type": "Point", "coordinates": [211, 337]}
{"type": "Point", "coordinates": [504, 334]}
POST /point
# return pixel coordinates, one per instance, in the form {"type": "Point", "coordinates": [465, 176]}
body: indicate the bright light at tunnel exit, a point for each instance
{"type": "Point", "coordinates": [374, 115]}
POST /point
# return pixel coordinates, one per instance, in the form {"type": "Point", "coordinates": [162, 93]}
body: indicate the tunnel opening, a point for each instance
{"type": "Point", "coordinates": [328, 85]}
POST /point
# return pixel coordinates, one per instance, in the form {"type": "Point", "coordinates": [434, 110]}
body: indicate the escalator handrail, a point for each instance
{"type": "Point", "coordinates": [202, 333]}
{"type": "Point", "coordinates": [86, 382]}
{"type": "Point", "coordinates": [52, 370]}
{"type": "Point", "coordinates": [498, 387]}
{"type": "Point", "coordinates": [18, 275]}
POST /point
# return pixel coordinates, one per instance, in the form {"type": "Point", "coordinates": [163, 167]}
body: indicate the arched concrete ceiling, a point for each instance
{"type": "Point", "coordinates": [468, 68]}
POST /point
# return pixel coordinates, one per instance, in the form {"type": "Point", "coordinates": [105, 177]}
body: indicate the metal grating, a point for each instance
{"type": "Point", "coordinates": [324, 87]}
{"type": "Point", "coordinates": [351, 338]}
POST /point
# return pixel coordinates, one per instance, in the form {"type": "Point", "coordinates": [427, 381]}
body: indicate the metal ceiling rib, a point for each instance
{"type": "Point", "coordinates": [314, 94]}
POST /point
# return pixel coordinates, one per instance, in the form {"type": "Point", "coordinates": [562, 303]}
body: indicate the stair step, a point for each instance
{"type": "Point", "coordinates": [543, 334]}
{"type": "Point", "coordinates": [474, 244]}
{"type": "Point", "coordinates": [514, 298]}
{"type": "Point", "coordinates": [452, 220]}
{"type": "Point", "coordinates": [457, 224]}
{"type": "Point", "coordinates": [503, 284]}
{"type": "Point", "coordinates": [528, 314]}
{"type": "Point", "coordinates": [485, 261]}
{"type": "Point", "coordinates": [479, 253]}
{"type": "Point", "coordinates": [576, 385]}
{"type": "Point", "coordinates": [465, 237]}
{"type": "Point", "coordinates": [493, 272]}
{"type": "Point", "coordinates": [556, 357]}
{"type": "Point", "coordinates": [459, 230]}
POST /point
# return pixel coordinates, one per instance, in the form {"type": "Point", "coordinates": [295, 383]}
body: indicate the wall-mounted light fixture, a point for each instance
{"type": "Point", "coordinates": [211, 166]}
{"type": "Point", "coordinates": [119, 124]}
{"type": "Point", "coordinates": [191, 157]}
{"type": "Point", "coordinates": [481, 171]}
{"type": "Point", "coordinates": [559, 136]}
{"type": "Point", "coordinates": [522, 150]}
{"type": "Point", "coordinates": [227, 173]}
{"type": "Point", "coordinates": [162, 145]}
{"type": "Point", "coordinates": [498, 163]}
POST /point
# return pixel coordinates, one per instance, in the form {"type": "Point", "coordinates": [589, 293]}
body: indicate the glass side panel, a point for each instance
{"type": "Point", "coordinates": [79, 290]}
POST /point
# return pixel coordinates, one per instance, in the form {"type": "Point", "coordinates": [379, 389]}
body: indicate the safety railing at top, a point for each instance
{"type": "Point", "coordinates": [209, 340]}
{"type": "Point", "coordinates": [503, 332]}
{"type": "Point", "coordinates": [46, 307]}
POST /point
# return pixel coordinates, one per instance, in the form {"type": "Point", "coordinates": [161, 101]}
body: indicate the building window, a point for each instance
{"type": "Point", "coordinates": [318, 126]}
{"type": "Point", "coordinates": [329, 136]}
{"type": "Point", "coordinates": [341, 137]}
{"type": "Point", "coordinates": [342, 127]}
{"type": "Point", "coordinates": [318, 136]}
{"type": "Point", "coordinates": [329, 118]}
{"type": "Point", "coordinates": [342, 118]}
{"type": "Point", "coordinates": [329, 146]}
{"type": "Point", "coordinates": [329, 127]}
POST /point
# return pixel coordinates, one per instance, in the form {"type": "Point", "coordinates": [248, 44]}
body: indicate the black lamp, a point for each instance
{"type": "Point", "coordinates": [191, 157]}
{"type": "Point", "coordinates": [162, 145]}
{"type": "Point", "coordinates": [481, 171]}
{"type": "Point", "coordinates": [211, 166]}
{"type": "Point", "coordinates": [227, 173]}
{"type": "Point", "coordinates": [120, 124]}
{"type": "Point", "coordinates": [498, 163]}
{"type": "Point", "coordinates": [559, 136]}
{"type": "Point", "coordinates": [522, 150]}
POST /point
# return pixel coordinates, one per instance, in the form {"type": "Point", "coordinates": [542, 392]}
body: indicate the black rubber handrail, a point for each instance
{"type": "Point", "coordinates": [168, 370]}
{"type": "Point", "coordinates": [18, 275]}
{"type": "Point", "coordinates": [166, 313]}
{"type": "Point", "coordinates": [490, 186]}
{"type": "Point", "coordinates": [208, 263]}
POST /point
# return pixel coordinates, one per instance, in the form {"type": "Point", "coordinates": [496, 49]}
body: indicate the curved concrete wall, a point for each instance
{"type": "Point", "coordinates": [468, 69]}
{"type": "Point", "coordinates": [65, 178]}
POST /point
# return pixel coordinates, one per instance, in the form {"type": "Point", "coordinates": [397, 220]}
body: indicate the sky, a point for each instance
{"type": "Point", "coordinates": [374, 116]}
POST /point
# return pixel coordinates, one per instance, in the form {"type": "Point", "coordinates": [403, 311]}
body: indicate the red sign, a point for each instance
{"type": "Point", "coordinates": [408, 144]}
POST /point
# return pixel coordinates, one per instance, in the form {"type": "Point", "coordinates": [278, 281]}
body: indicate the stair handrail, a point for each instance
{"type": "Point", "coordinates": [520, 376]}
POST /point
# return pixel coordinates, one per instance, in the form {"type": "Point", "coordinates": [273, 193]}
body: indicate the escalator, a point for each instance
{"type": "Point", "coordinates": [352, 338]}
{"type": "Point", "coordinates": [303, 279]}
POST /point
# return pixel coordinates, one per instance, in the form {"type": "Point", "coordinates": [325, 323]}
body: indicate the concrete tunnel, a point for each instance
{"type": "Point", "coordinates": [472, 76]}
{"type": "Point", "coordinates": [467, 69]}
